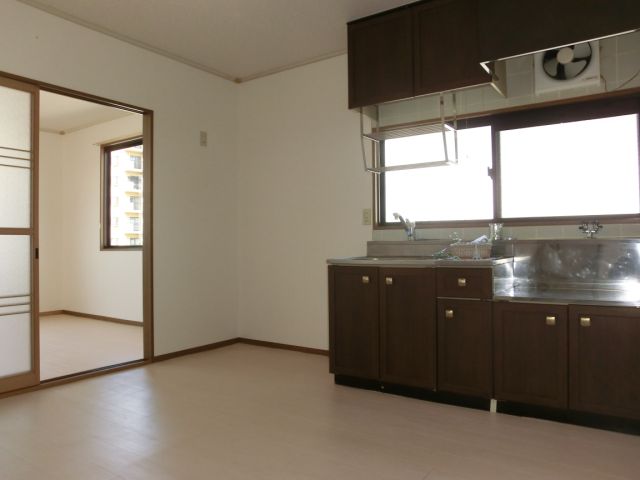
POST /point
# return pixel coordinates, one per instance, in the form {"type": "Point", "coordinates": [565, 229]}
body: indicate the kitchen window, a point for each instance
{"type": "Point", "coordinates": [558, 164]}
{"type": "Point", "coordinates": [120, 198]}
{"type": "Point", "coordinates": [445, 193]}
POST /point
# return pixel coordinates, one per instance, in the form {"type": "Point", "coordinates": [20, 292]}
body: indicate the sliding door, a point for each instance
{"type": "Point", "coordinates": [19, 359]}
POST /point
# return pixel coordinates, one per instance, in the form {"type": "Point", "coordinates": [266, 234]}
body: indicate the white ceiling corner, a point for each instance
{"type": "Point", "coordinates": [237, 40]}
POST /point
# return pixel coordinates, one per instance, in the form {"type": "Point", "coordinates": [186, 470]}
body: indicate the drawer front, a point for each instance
{"type": "Point", "coordinates": [465, 283]}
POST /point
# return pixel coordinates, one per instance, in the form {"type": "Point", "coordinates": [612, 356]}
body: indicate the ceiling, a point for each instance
{"type": "Point", "coordinates": [235, 39]}
{"type": "Point", "coordinates": [60, 114]}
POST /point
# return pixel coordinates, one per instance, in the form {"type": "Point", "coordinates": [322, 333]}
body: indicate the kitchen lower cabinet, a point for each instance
{"type": "Point", "coordinates": [530, 353]}
{"type": "Point", "coordinates": [408, 326]}
{"type": "Point", "coordinates": [465, 363]}
{"type": "Point", "coordinates": [354, 321]}
{"type": "Point", "coordinates": [605, 360]}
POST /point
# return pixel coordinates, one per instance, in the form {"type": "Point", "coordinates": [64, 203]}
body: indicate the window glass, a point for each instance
{"type": "Point", "coordinates": [583, 168]}
{"type": "Point", "coordinates": [455, 192]}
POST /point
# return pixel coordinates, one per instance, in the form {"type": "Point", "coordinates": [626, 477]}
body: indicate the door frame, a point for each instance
{"type": "Point", "coordinates": [147, 198]}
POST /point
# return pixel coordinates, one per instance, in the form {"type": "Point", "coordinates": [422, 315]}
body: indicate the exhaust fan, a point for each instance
{"type": "Point", "coordinates": [572, 66]}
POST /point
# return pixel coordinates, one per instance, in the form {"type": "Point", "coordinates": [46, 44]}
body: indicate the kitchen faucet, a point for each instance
{"type": "Point", "coordinates": [590, 228]}
{"type": "Point", "coordinates": [409, 226]}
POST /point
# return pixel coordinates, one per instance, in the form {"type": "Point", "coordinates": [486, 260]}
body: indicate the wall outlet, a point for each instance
{"type": "Point", "coordinates": [203, 138]}
{"type": "Point", "coordinates": [366, 216]}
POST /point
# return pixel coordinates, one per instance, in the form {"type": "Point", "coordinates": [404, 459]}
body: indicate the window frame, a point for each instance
{"type": "Point", "coordinates": [105, 191]}
{"type": "Point", "coordinates": [563, 111]}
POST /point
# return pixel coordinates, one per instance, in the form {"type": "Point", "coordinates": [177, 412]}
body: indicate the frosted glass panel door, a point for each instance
{"type": "Point", "coordinates": [18, 235]}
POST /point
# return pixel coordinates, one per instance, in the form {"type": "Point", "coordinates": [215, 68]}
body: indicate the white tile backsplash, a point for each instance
{"type": "Point", "coordinates": [619, 60]}
{"type": "Point", "coordinates": [522, 233]}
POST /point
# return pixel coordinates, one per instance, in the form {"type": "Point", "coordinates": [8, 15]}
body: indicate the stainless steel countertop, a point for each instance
{"type": "Point", "coordinates": [417, 262]}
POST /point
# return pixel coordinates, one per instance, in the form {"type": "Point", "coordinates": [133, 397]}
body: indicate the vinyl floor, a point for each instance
{"type": "Point", "coordinates": [249, 412]}
{"type": "Point", "coordinates": [70, 344]}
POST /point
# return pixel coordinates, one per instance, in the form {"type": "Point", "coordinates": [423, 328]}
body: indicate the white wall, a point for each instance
{"type": "Point", "coordinates": [194, 187]}
{"type": "Point", "coordinates": [51, 231]}
{"type": "Point", "coordinates": [88, 280]}
{"type": "Point", "coordinates": [301, 193]}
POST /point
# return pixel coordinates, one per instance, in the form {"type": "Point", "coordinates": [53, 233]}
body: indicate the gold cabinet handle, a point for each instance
{"type": "Point", "coordinates": [448, 314]}
{"type": "Point", "coordinates": [550, 320]}
{"type": "Point", "coordinates": [585, 321]}
{"type": "Point", "coordinates": [365, 279]}
{"type": "Point", "coordinates": [462, 282]}
{"type": "Point", "coordinates": [388, 280]}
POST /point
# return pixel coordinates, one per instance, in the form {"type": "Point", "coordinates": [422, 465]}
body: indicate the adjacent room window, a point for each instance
{"type": "Point", "coordinates": [122, 167]}
{"type": "Point", "coordinates": [575, 161]}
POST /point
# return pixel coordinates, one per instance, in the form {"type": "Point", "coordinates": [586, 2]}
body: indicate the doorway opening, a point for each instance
{"type": "Point", "coordinates": [91, 211]}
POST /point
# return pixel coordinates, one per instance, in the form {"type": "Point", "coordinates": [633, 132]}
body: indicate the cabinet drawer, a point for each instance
{"type": "Point", "coordinates": [465, 283]}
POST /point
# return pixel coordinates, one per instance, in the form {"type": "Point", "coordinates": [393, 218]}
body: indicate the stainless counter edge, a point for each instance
{"type": "Point", "coordinates": [417, 263]}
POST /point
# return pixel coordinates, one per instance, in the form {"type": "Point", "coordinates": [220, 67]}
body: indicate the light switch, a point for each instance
{"type": "Point", "coordinates": [203, 138]}
{"type": "Point", "coordinates": [366, 216]}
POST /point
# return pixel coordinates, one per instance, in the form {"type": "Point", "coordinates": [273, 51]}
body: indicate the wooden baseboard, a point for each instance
{"type": "Point", "coordinates": [232, 341]}
{"type": "Point", "coordinates": [190, 351]}
{"type": "Point", "coordinates": [283, 346]}
{"type": "Point", "coordinates": [92, 316]}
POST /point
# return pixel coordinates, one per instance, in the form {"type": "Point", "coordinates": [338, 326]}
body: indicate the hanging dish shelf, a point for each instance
{"type": "Point", "coordinates": [378, 135]}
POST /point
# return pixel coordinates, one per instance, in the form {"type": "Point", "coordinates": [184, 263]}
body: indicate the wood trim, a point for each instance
{"type": "Point", "coordinates": [68, 92]}
{"type": "Point", "coordinates": [35, 245]}
{"type": "Point", "coordinates": [51, 313]}
{"type": "Point", "coordinates": [190, 351]}
{"type": "Point", "coordinates": [16, 231]}
{"type": "Point", "coordinates": [283, 346]}
{"type": "Point", "coordinates": [147, 236]}
{"type": "Point", "coordinates": [101, 317]}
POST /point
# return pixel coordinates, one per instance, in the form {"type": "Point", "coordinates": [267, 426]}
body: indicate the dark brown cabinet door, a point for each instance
{"type": "Point", "coordinates": [381, 59]}
{"type": "Point", "coordinates": [353, 321]}
{"type": "Point", "coordinates": [508, 27]}
{"type": "Point", "coordinates": [530, 353]}
{"type": "Point", "coordinates": [605, 360]}
{"type": "Point", "coordinates": [446, 51]}
{"type": "Point", "coordinates": [408, 326]}
{"type": "Point", "coordinates": [465, 363]}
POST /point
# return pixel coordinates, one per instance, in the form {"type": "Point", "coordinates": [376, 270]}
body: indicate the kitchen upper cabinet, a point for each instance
{"type": "Point", "coordinates": [381, 58]}
{"type": "Point", "coordinates": [408, 326]}
{"type": "Point", "coordinates": [465, 363]}
{"type": "Point", "coordinates": [605, 360]}
{"type": "Point", "coordinates": [424, 48]}
{"type": "Point", "coordinates": [447, 55]}
{"type": "Point", "coordinates": [507, 27]}
{"type": "Point", "coordinates": [354, 321]}
{"type": "Point", "coordinates": [530, 353]}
